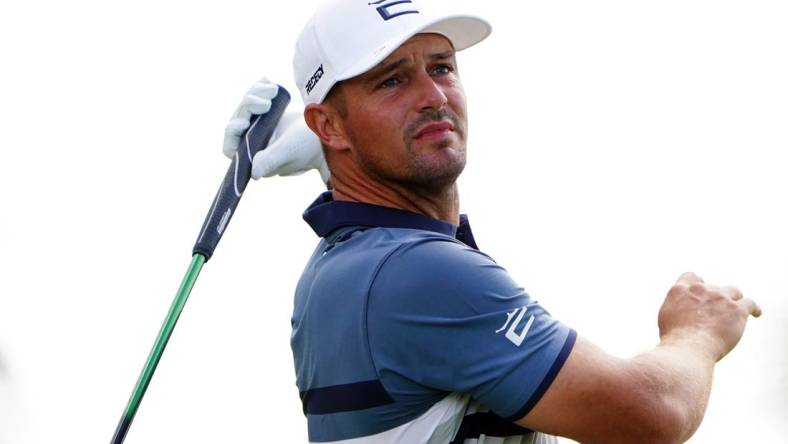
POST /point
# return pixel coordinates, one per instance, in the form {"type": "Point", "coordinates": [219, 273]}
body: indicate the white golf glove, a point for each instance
{"type": "Point", "coordinates": [293, 148]}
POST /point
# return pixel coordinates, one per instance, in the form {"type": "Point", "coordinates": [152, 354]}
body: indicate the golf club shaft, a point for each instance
{"type": "Point", "coordinates": [158, 348]}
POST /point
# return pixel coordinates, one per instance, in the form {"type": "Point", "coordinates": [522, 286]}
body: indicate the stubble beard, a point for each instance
{"type": "Point", "coordinates": [435, 177]}
{"type": "Point", "coordinates": [426, 173]}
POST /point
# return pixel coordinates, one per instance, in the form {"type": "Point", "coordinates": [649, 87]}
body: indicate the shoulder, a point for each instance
{"type": "Point", "coordinates": [405, 252]}
{"type": "Point", "coordinates": [359, 256]}
{"type": "Point", "coordinates": [436, 270]}
{"type": "Point", "coordinates": [424, 253]}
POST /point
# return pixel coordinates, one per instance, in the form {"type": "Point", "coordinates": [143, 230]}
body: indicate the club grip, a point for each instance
{"type": "Point", "coordinates": [253, 140]}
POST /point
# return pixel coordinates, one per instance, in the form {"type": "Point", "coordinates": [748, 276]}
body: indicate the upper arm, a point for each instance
{"type": "Point", "coordinates": [448, 318]}
{"type": "Point", "coordinates": [596, 397]}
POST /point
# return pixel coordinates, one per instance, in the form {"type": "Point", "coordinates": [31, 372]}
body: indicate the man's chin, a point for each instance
{"type": "Point", "coordinates": [446, 152]}
{"type": "Point", "coordinates": [439, 174]}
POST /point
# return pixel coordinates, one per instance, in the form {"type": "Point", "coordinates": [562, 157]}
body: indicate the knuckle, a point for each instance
{"type": "Point", "coordinates": [716, 294]}
{"type": "Point", "coordinates": [238, 123]}
{"type": "Point", "coordinates": [697, 288]}
{"type": "Point", "coordinates": [734, 292]}
{"type": "Point", "coordinates": [676, 291]}
{"type": "Point", "coordinates": [690, 277]}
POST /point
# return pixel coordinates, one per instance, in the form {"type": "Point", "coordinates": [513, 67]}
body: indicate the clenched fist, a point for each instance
{"type": "Point", "coordinates": [713, 316]}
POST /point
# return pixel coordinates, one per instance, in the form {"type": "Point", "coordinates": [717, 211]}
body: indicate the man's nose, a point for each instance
{"type": "Point", "coordinates": [431, 94]}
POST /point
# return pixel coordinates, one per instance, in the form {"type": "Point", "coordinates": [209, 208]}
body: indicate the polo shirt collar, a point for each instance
{"type": "Point", "coordinates": [326, 215]}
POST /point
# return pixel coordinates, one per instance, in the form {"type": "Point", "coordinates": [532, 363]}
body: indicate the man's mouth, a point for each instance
{"type": "Point", "coordinates": [437, 130]}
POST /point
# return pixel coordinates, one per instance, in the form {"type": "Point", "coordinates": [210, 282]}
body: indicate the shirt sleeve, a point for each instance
{"type": "Point", "coordinates": [445, 317]}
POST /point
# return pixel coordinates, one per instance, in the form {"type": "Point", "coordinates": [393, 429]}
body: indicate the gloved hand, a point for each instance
{"type": "Point", "coordinates": [293, 148]}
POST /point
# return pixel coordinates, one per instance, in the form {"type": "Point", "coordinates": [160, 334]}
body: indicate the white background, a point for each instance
{"type": "Point", "coordinates": [613, 145]}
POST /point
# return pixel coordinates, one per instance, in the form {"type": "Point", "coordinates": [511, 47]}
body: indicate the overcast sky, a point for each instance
{"type": "Point", "coordinates": [613, 145]}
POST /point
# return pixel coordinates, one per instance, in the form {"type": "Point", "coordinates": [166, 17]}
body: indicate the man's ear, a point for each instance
{"type": "Point", "coordinates": [327, 124]}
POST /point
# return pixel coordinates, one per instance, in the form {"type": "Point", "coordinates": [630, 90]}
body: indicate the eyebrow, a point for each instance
{"type": "Point", "coordinates": [442, 55]}
{"type": "Point", "coordinates": [384, 69]}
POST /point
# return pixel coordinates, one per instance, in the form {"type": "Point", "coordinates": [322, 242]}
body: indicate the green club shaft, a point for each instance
{"type": "Point", "coordinates": [158, 347]}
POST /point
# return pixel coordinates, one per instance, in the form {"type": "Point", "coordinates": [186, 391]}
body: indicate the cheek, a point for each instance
{"type": "Point", "coordinates": [382, 125]}
{"type": "Point", "coordinates": [457, 101]}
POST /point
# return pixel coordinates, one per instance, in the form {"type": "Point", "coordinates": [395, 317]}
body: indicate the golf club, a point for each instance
{"type": "Point", "coordinates": [224, 205]}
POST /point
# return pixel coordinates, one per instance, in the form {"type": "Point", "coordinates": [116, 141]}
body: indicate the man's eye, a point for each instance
{"type": "Point", "coordinates": [389, 83]}
{"type": "Point", "coordinates": [442, 70]}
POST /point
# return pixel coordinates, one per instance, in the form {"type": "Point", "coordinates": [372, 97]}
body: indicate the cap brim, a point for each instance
{"type": "Point", "coordinates": [463, 31]}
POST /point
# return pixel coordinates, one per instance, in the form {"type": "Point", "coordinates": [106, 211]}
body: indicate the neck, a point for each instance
{"type": "Point", "coordinates": [442, 204]}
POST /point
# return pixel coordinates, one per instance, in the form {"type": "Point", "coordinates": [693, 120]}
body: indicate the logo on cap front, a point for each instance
{"type": "Point", "coordinates": [388, 13]}
{"type": "Point", "coordinates": [315, 78]}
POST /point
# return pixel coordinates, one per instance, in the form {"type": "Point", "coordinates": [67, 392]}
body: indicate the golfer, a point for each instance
{"type": "Point", "coordinates": [404, 331]}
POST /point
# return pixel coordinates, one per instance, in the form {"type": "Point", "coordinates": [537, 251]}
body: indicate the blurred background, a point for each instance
{"type": "Point", "coordinates": [613, 146]}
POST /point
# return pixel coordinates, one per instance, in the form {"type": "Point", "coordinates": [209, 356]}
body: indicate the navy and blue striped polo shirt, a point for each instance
{"type": "Point", "coordinates": [403, 331]}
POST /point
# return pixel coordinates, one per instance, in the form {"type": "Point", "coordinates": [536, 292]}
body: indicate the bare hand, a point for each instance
{"type": "Point", "coordinates": [714, 316]}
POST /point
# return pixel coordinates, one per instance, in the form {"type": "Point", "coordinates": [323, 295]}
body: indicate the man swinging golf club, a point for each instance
{"type": "Point", "coordinates": [403, 330]}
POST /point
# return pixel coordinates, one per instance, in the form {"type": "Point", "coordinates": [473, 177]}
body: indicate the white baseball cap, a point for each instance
{"type": "Point", "coordinates": [346, 38]}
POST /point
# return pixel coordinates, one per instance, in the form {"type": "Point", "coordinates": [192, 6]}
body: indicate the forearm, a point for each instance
{"type": "Point", "coordinates": [678, 373]}
{"type": "Point", "coordinates": [659, 396]}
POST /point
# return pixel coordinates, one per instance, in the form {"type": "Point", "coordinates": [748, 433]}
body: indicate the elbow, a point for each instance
{"type": "Point", "coordinates": [643, 420]}
{"type": "Point", "coordinates": [664, 422]}
{"type": "Point", "coordinates": [662, 411]}
{"type": "Point", "coordinates": [667, 425]}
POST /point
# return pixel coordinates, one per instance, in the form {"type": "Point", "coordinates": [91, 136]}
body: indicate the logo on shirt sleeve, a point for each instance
{"type": "Point", "coordinates": [511, 334]}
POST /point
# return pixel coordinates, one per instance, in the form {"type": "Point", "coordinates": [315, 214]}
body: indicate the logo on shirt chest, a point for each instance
{"type": "Point", "coordinates": [511, 334]}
